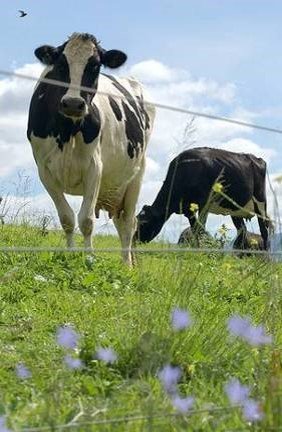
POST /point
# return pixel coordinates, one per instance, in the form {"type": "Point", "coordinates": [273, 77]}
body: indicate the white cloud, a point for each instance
{"type": "Point", "coordinates": [167, 82]}
{"type": "Point", "coordinates": [247, 146]}
{"type": "Point", "coordinates": [152, 71]}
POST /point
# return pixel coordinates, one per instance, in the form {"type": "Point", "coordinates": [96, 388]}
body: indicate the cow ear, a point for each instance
{"type": "Point", "coordinates": [113, 58]}
{"type": "Point", "coordinates": [47, 54]}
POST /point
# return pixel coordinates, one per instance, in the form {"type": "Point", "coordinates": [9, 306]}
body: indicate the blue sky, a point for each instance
{"type": "Point", "coordinates": [226, 40]}
{"type": "Point", "coordinates": [221, 43]}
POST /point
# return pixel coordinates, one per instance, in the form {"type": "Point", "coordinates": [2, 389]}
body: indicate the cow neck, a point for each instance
{"type": "Point", "coordinates": [162, 204]}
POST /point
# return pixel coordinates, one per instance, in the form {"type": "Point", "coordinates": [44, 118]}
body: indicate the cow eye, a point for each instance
{"type": "Point", "coordinates": [93, 63]}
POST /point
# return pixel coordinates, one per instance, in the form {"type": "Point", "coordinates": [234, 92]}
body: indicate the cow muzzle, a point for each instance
{"type": "Point", "coordinates": [73, 107]}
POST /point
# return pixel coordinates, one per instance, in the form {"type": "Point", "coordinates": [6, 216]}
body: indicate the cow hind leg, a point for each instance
{"type": "Point", "coordinates": [240, 240]}
{"type": "Point", "coordinates": [263, 225]}
{"type": "Point", "coordinates": [126, 223]}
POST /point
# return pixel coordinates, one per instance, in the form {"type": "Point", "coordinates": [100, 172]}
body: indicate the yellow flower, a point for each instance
{"type": "Point", "coordinates": [194, 207]}
{"type": "Point", "coordinates": [217, 187]}
{"type": "Point", "coordinates": [253, 242]}
{"type": "Point", "coordinates": [223, 230]}
{"type": "Point", "coordinates": [191, 368]}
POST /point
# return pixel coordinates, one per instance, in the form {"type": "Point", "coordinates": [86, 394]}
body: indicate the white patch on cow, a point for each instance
{"type": "Point", "coordinates": [77, 52]}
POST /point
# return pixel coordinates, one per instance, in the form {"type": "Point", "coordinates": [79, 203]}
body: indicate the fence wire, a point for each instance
{"type": "Point", "coordinates": [178, 250]}
{"type": "Point", "coordinates": [156, 104]}
{"type": "Point", "coordinates": [132, 419]}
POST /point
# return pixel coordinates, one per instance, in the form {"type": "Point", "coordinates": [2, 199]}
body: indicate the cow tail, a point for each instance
{"type": "Point", "coordinates": [276, 223]}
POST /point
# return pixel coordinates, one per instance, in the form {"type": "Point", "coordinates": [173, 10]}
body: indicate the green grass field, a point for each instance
{"type": "Point", "coordinates": [130, 312]}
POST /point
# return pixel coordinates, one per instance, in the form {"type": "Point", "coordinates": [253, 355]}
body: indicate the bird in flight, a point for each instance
{"type": "Point", "coordinates": [22, 13]}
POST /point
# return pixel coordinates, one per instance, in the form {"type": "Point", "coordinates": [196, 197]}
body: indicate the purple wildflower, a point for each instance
{"type": "Point", "coordinates": [107, 355]}
{"type": "Point", "coordinates": [169, 377]}
{"type": "Point", "coordinates": [3, 427]}
{"type": "Point", "coordinates": [252, 411]}
{"type": "Point", "coordinates": [22, 372]}
{"type": "Point", "coordinates": [67, 337]}
{"type": "Point", "coordinates": [238, 325]}
{"type": "Point", "coordinates": [183, 404]}
{"type": "Point", "coordinates": [180, 319]}
{"type": "Point", "coordinates": [242, 327]}
{"type": "Point", "coordinates": [256, 336]}
{"type": "Point", "coordinates": [236, 392]}
{"type": "Point", "coordinates": [72, 363]}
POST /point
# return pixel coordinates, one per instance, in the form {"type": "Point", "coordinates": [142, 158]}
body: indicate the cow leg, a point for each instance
{"type": "Point", "coordinates": [202, 220]}
{"type": "Point", "coordinates": [65, 212]}
{"type": "Point", "coordinates": [86, 213]}
{"type": "Point", "coordinates": [194, 227]}
{"type": "Point", "coordinates": [263, 225]}
{"type": "Point", "coordinates": [126, 223]}
{"type": "Point", "coordinates": [241, 232]}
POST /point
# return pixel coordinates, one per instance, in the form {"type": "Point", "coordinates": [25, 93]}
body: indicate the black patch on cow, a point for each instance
{"type": "Point", "coordinates": [91, 125]}
{"type": "Point", "coordinates": [63, 129]}
{"type": "Point", "coordinates": [134, 132]}
{"type": "Point", "coordinates": [44, 107]}
{"type": "Point", "coordinates": [144, 112]}
{"type": "Point", "coordinates": [90, 78]}
{"type": "Point", "coordinates": [116, 109]}
{"type": "Point", "coordinates": [129, 98]}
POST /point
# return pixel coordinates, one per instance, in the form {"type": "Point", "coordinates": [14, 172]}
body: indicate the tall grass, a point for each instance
{"type": "Point", "coordinates": [129, 311]}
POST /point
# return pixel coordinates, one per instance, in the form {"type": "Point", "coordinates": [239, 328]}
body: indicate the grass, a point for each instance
{"type": "Point", "coordinates": [129, 311]}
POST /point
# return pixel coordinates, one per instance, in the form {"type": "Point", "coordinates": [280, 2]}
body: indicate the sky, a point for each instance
{"type": "Point", "coordinates": [217, 56]}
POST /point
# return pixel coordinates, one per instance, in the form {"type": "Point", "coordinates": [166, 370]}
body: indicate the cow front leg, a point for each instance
{"type": "Point", "coordinates": [91, 188]}
{"type": "Point", "coordinates": [65, 212]}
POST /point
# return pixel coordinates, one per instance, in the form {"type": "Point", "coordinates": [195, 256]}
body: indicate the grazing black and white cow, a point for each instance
{"type": "Point", "coordinates": [87, 143]}
{"type": "Point", "coordinates": [189, 186]}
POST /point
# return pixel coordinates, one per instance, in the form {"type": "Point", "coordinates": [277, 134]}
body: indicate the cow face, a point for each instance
{"type": "Point", "coordinates": [148, 225]}
{"type": "Point", "coordinates": [77, 62]}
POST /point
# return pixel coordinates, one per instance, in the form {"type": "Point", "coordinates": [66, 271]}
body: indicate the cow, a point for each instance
{"type": "Point", "coordinates": [92, 142]}
{"type": "Point", "coordinates": [209, 180]}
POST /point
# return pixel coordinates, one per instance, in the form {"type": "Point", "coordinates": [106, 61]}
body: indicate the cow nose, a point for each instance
{"type": "Point", "coordinates": [74, 107]}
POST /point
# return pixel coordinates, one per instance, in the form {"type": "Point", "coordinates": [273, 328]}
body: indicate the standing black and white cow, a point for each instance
{"type": "Point", "coordinates": [88, 143]}
{"type": "Point", "coordinates": [189, 186]}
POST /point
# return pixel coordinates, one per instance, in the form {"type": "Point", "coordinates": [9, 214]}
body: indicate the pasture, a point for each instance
{"type": "Point", "coordinates": [129, 311]}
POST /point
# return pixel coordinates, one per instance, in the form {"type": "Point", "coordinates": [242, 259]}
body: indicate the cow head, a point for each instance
{"type": "Point", "coordinates": [77, 62]}
{"type": "Point", "coordinates": [149, 224]}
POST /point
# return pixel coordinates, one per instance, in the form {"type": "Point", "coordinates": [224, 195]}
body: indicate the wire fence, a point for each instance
{"type": "Point", "coordinates": [115, 250]}
{"type": "Point", "coordinates": [142, 418]}
{"type": "Point", "coordinates": [155, 104]}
